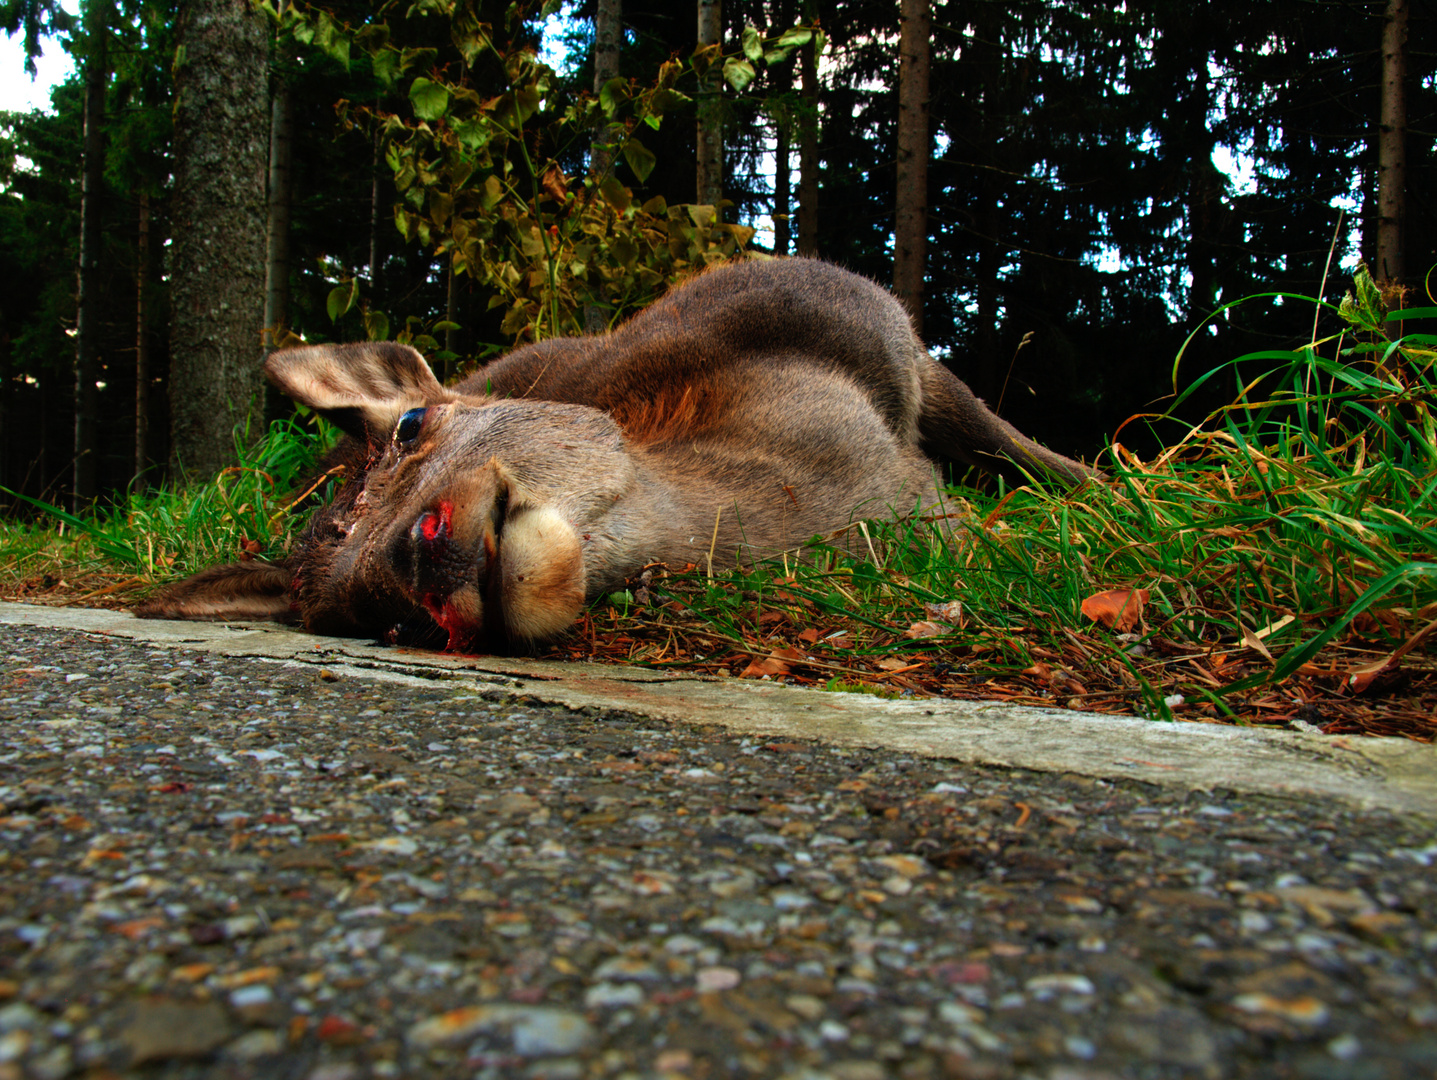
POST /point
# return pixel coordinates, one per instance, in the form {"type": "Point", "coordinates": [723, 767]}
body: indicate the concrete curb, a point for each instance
{"type": "Point", "coordinates": [1389, 774]}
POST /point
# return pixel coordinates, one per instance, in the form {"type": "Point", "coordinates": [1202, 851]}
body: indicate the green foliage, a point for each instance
{"type": "Point", "coordinates": [430, 99]}
{"type": "Point", "coordinates": [341, 299]}
{"type": "Point", "coordinates": [839, 686]}
{"type": "Point", "coordinates": [37, 19]}
{"type": "Point", "coordinates": [550, 250]}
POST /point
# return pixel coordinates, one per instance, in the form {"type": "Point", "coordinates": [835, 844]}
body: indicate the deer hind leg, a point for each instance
{"type": "Point", "coordinates": [956, 425]}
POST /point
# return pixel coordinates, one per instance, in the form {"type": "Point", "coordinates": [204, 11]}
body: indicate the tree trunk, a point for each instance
{"type": "Point", "coordinates": [9, 391]}
{"type": "Point", "coordinates": [608, 38]}
{"type": "Point", "coordinates": [1204, 194]}
{"type": "Point", "coordinates": [992, 220]}
{"type": "Point", "coordinates": [1392, 147]}
{"type": "Point", "coordinates": [782, 81]}
{"type": "Point", "coordinates": [910, 233]}
{"type": "Point", "coordinates": [281, 187]}
{"type": "Point", "coordinates": [87, 323]}
{"type": "Point", "coordinates": [710, 110]}
{"type": "Point", "coordinates": [376, 222]}
{"type": "Point", "coordinates": [986, 382]}
{"type": "Point", "coordinates": [217, 267]}
{"type": "Point", "coordinates": [41, 467]}
{"type": "Point", "coordinates": [782, 196]}
{"type": "Point", "coordinates": [142, 341]}
{"type": "Point", "coordinates": [451, 316]}
{"type": "Point", "coordinates": [808, 149]}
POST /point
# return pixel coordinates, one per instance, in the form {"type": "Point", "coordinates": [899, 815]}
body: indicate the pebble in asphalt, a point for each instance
{"type": "Point", "coordinates": [238, 868]}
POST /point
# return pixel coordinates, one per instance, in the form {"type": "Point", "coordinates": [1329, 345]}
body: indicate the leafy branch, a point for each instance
{"type": "Point", "coordinates": [480, 176]}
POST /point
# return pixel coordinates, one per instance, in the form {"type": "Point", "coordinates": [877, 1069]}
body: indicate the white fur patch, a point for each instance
{"type": "Point", "coordinates": [543, 567]}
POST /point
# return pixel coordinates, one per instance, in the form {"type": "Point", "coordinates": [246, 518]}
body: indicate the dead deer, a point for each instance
{"type": "Point", "coordinates": [757, 405]}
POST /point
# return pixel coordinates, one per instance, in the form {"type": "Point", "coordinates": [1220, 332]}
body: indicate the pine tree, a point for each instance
{"type": "Point", "coordinates": [217, 259]}
{"type": "Point", "coordinates": [910, 240]}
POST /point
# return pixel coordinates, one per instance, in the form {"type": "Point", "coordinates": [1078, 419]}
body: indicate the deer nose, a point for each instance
{"type": "Point", "coordinates": [432, 530]}
{"type": "Point", "coordinates": [436, 560]}
{"type": "Point", "coordinates": [420, 552]}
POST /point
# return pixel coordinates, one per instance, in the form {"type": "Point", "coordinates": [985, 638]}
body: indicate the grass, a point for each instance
{"type": "Point", "coordinates": [1275, 565]}
{"type": "Point", "coordinates": [115, 554]}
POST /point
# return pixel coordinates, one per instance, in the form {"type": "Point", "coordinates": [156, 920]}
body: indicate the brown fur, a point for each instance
{"type": "Point", "coordinates": [771, 400]}
{"type": "Point", "coordinates": [672, 412]}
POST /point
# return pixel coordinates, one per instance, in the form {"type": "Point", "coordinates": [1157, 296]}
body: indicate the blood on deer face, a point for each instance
{"type": "Point", "coordinates": [469, 514]}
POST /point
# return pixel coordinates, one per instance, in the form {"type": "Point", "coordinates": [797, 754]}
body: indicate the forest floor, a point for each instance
{"type": "Point", "coordinates": [1349, 691]}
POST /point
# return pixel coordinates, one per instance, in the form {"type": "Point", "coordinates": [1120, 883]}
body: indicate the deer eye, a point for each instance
{"type": "Point", "coordinates": [407, 430]}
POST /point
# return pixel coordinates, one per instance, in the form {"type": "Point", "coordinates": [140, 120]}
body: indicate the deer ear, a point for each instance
{"type": "Point", "coordinates": [248, 590]}
{"type": "Point", "coordinates": [362, 388]}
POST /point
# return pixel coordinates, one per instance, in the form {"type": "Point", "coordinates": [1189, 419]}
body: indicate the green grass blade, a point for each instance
{"type": "Point", "coordinates": [118, 550]}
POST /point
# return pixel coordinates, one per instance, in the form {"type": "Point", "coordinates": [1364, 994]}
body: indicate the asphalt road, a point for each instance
{"type": "Point", "coordinates": [239, 867]}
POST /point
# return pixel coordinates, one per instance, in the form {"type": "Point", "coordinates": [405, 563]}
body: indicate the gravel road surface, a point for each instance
{"type": "Point", "coordinates": [245, 868]}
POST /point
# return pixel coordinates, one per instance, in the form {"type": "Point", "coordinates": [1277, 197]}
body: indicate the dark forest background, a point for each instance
{"type": "Point", "coordinates": [1077, 228]}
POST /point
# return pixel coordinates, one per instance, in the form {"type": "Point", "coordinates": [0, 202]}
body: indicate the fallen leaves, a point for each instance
{"type": "Point", "coordinates": [1256, 640]}
{"type": "Point", "coordinates": [1117, 609]}
{"type": "Point", "coordinates": [942, 619]}
{"type": "Point", "coordinates": [1376, 677]}
{"type": "Point", "coordinates": [778, 662]}
{"type": "Point", "coordinates": [1057, 679]}
{"type": "Point", "coordinates": [926, 629]}
{"type": "Point", "coordinates": [916, 650]}
{"type": "Point", "coordinates": [1383, 675]}
{"type": "Point", "coordinates": [951, 612]}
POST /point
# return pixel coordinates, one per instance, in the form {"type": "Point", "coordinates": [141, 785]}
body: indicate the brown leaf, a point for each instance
{"type": "Point", "coordinates": [1382, 674]}
{"type": "Point", "coordinates": [927, 629]}
{"type": "Point", "coordinates": [1374, 677]}
{"type": "Point", "coordinates": [951, 612]}
{"type": "Point", "coordinates": [1040, 671]}
{"type": "Point", "coordinates": [555, 184]}
{"type": "Point", "coordinates": [1117, 609]}
{"type": "Point", "coordinates": [1252, 641]}
{"type": "Point", "coordinates": [775, 663]}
